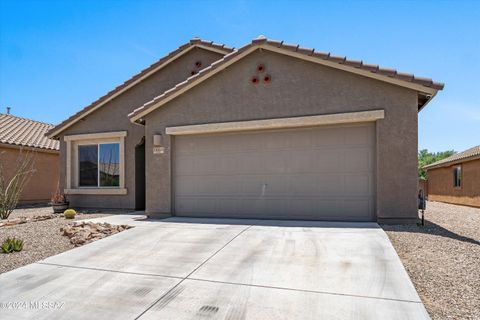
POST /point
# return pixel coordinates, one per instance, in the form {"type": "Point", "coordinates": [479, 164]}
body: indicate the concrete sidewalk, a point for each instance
{"type": "Point", "coordinates": [182, 268]}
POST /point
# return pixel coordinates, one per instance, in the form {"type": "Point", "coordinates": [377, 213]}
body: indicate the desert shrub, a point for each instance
{"type": "Point", "coordinates": [12, 245]}
{"type": "Point", "coordinates": [13, 181]}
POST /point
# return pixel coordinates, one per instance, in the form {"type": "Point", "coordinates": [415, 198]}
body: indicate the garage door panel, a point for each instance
{"type": "Point", "coordinates": [358, 159]}
{"type": "Point", "coordinates": [330, 137]}
{"type": "Point", "coordinates": [358, 185]}
{"type": "Point", "coordinates": [331, 160]}
{"type": "Point", "coordinates": [315, 173]}
{"type": "Point", "coordinates": [351, 207]}
{"type": "Point", "coordinates": [359, 135]}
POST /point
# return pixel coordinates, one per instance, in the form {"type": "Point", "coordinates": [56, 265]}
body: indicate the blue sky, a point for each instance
{"type": "Point", "coordinates": [58, 56]}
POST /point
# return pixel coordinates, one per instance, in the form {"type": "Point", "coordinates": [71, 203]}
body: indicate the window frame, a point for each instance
{"type": "Point", "coordinates": [73, 142]}
{"type": "Point", "coordinates": [457, 177]}
{"type": "Point", "coordinates": [98, 164]}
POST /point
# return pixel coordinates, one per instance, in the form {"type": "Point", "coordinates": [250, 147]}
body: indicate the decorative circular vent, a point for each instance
{"type": "Point", "coordinates": [198, 64]}
{"type": "Point", "coordinates": [260, 68]}
{"type": "Point", "coordinates": [254, 80]}
{"type": "Point", "coordinates": [267, 78]}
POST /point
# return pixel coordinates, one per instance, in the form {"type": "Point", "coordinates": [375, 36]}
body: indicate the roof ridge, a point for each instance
{"type": "Point", "coordinates": [374, 68]}
{"type": "Point", "coordinates": [26, 119]}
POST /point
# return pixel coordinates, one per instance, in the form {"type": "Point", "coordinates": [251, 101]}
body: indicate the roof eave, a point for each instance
{"type": "Point", "coordinates": [135, 116]}
{"type": "Point", "coordinates": [451, 163]}
{"type": "Point", "coordinates": [54, 132]}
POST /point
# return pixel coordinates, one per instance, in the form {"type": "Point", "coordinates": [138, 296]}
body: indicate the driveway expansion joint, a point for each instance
{"type": "Point", "coordinates": [107, 270]}
{"type": "Point", "coordinates": [193, 271]}
{"type": "Point", "coordinates": [303, 290]}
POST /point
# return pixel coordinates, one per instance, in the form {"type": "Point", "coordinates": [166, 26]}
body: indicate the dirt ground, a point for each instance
{"type": "Point", "coordinates": [443, 259]}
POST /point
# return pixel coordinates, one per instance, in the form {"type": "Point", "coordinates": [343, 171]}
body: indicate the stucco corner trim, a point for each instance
{"type": "Point", "coordinates": [99, 191]}
{"type": "Point", "coordinates": [279, 123]}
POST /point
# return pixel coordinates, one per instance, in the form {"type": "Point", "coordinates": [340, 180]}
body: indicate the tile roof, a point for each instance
{"type": "Point", "coordinates": [25, 132]}
{"type": "Point", "coordinates": [193, 42]}
{"type": "Point", "coordinates": [261, 41]}
{"type": "Point", "coordinates": [457, 157]}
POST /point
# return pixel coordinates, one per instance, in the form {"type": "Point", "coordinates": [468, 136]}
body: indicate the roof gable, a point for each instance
{"type": "Point", "coordinates": [142, 75]}
{"type": "Point", "coordinates": [425, 87]}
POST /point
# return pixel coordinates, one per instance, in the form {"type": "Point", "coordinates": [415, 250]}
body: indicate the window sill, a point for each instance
{"type": "Point", "coordinates": [97, 191]}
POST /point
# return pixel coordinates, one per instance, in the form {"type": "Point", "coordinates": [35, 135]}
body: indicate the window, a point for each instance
{"type": "Point", "coordinates": [457, 176]}
{"type": "Point", "coordinates": [99, 165]}
{"type": "Point", "coordinates": [95, 163]}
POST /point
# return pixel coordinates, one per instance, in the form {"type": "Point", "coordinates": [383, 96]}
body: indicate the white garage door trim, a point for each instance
{"type": "Point", "coordinates": [280, 123]}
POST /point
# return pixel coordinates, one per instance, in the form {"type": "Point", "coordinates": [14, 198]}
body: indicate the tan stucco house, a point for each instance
{"type": "Point", "coordinates": [20, 134]}
{"type": "Point", "coordinates": [269, 130]}
{"type": "Point", "coordinates": [456, 179]}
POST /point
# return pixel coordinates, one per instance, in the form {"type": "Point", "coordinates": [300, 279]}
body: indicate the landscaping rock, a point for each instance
{"type": "Point", "coordinates": [86, 232]}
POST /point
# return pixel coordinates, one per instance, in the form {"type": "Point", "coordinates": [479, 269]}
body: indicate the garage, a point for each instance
{"type": "Point", "coordinates": [316, 173]}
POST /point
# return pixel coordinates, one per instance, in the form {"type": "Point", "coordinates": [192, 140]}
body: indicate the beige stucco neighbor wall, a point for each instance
{"type": "Point", "coordinates": [43, 183]}
{"type": "Point", "coordinates": [440, 184]}
{"type": "Point", "coordinates": [113, 117]}
{"type": "Point", "coordinates": [298, 88]}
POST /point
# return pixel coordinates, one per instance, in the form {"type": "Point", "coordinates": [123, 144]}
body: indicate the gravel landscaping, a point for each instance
{"type": "Point", "coordinates": [42, 239]}
{"type": "Point", "coordinates": [443, 259]}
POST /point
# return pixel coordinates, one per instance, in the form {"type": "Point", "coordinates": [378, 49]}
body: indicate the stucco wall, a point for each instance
{"type": "Point", "coordinates": [298, 88]}
{"type": "Point", "coordinates": [440, 184]}
{"type": "Point", "coordinates": [113, 117]}
{"type": "Point", "coordinates": [44, 180]}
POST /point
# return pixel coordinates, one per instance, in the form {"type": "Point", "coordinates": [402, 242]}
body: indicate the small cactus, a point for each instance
{"type": "Point", "coordinates": [69, 213]}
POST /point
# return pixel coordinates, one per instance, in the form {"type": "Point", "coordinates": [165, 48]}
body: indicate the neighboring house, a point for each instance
{"type": "Point", "coordinates": [17, 134]}
{"type": "Point", "coordinates": [269, 130]}
{"type": "Point", "coordinates": [456, 179]}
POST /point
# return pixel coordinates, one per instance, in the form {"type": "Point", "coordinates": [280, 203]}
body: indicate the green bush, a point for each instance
{"type": "Point", "coordinates": [12, 245]}
{"type": "Point", "coordinates": [69, 213]}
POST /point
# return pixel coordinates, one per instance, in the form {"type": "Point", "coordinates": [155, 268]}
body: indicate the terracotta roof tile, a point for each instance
{"type": "Point", "coordinates": [337, 59]}
{"type": "Point", "coordinates": [94, 104]}
{"type": "Point", "coordinates": [25, 132]}
{"type": "Point", "coordinates": [457, 157]}
{"type": "Point", "coordinates": [321, 55]}
{"type": "Point", "coordinates": [387, 72]}
{"type": "Point", "coordinates": [353, 63]}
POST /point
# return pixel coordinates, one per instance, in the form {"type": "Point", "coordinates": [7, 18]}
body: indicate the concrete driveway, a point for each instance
{"type": "Point", "coordinates": [219, 269]}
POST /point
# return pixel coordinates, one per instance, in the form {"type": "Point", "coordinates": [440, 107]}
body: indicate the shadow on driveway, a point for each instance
{"type": "Point", "coordinates": [271, 223]}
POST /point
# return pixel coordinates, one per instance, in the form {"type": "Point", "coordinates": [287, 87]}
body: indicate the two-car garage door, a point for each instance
{"type": "Point", "coordinates": [322, 173]}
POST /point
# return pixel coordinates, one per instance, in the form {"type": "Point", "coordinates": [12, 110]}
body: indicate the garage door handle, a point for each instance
{"type": "Point", "coordinates": [264, 187]}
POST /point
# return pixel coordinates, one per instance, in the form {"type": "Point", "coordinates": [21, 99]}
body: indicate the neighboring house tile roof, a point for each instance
{"type": "Point", "coordinates": [25, 132]}
{"type": "Point", "coordinates": [466, 155]}
{"type": "Point", "coordinates": [195, 42]}
{"type": "Point", "coordinates": [351, 65]}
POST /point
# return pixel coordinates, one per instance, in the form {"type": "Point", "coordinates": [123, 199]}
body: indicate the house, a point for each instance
{"type": "Point", "coordinates": [269, 130]}
{"type": "Point", "coordinates": [20, 134]}
{"type": "Point", "coordinates": [456, 179]}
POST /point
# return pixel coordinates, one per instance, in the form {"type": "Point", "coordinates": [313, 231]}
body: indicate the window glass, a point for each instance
{"type": "Point", "coordinates": [109, 166]}
{"type": "Point", "coordinates": [88, 168]}
{"type": "Point", "coordinates": [457, 176]}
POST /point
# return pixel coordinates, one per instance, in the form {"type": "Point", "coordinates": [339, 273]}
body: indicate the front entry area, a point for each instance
{"type": "Point", "coordinates": [320, 173]}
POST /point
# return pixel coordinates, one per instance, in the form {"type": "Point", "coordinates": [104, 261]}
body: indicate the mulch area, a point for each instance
{"type": "Point", "coordinates": [42, 239]}
{"type": "Point", "coordinates": [443, 259]}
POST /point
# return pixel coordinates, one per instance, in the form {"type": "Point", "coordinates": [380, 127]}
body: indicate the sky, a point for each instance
{"type": "Point", "coordinates": [56, 57]}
